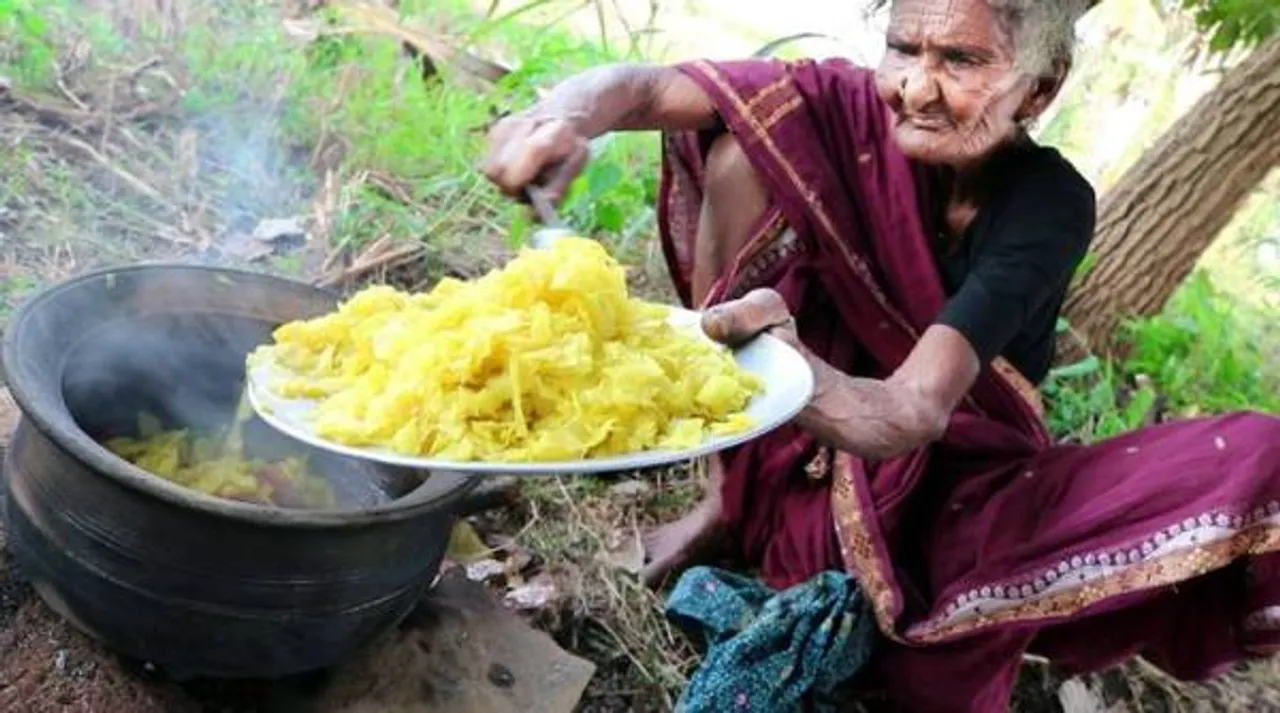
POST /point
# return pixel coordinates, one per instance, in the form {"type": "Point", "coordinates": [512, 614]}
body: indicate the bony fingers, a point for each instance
{"type": "Point", "coordinates": [543, 149]}
{"type": "Point", "coordinates": [730, 324]}
{"type": "Point", "coordinates": [562, 175]}
{"type": "Point", "coordinates": [505, 163]}
{"type": "Point", "coordinates": [765, 308]}
{"type": "Point", "coordinates": [738, 321]}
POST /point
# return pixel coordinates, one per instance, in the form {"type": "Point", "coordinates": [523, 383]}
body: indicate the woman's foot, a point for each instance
{"type": "Point", "coordinates": [674, 547]}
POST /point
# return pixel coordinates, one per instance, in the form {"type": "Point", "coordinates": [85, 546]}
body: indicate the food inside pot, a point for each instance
{"type": "Point", "coordinates": [164, 392]}
{"type": "Point", "coordinates": [215, 464]}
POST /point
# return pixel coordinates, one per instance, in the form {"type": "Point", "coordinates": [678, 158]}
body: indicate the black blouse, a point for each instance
{"type": "Point", "coordinates": [1008, 275]}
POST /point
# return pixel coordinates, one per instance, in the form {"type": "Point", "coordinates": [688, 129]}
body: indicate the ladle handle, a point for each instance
{"type": "Point", "coordinates": [543, 206]}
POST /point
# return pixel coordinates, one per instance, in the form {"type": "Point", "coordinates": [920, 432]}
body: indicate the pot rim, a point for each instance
{"type": "Point", "coordinates": [449, 487]}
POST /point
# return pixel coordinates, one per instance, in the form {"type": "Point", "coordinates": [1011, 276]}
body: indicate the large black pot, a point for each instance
{"type": "Point", "coordinates": [199, 586]}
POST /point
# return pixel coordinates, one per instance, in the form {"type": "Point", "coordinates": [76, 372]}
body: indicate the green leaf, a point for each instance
{"type": "Point", "coordinates": [602, 177]}
{"type": "Point", "coordinates": [1084, 367]}
{"type": "Point", "coordinates": [610, 217]}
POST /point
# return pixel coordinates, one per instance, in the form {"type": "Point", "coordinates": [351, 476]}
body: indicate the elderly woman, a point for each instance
{"type": "Point", "coordinates": [902, 229]}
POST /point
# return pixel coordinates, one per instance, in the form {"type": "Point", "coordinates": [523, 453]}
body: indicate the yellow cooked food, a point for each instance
{"type": "Point", "coordinates": [548, 358]}
{"type": "Point", "coordinates": [216, 466]}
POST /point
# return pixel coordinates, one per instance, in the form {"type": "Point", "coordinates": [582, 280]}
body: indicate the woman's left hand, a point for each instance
{"type": "Point", "coordinates": [870, 418]}
{"type": "Point", "coordinates": [759, 311]}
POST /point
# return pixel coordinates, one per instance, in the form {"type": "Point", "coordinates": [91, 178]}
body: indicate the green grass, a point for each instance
{"type": "Point", "coordinates": [13, 289]}
{"type": "Point", "coordinates": [260, 102]}
{"type": "Point", "coordinates": [1205, 354]}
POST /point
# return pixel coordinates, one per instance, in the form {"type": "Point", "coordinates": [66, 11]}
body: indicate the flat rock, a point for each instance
{"type": "Point", "coordinates": [459, 651]}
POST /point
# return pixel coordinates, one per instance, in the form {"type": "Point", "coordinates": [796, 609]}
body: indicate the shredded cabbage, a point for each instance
{"type": "Point", "coordinates": [217, 466]}
{"type": "Point", "coordinates": [548, 358]}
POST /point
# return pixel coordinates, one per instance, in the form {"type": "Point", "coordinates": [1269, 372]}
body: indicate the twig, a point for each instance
{"type": "Point", "coordinates": [66, 92]}
{"type": "Point", "coordinates": [108, 111]}
{"type": "Point", "coordinates": [373, 249]}
{"type": "Point", "coordinates": [161, 230]}
{"type": "Point", "coordinates": [391, 188]}
{"type": "Point", "coordinates": [388, 259]}
{"type": "Point", "coordinates": [321, 256]}
{"type": "Point", "coordinates": [136, 183]}
{"type": "Point", "coordinates": [144, 66]}
{"type": "Point", "coordinates": [332, 261]}
{"type": "Point", "coordinates": [383, 20]}
{"type": "Point", "coordinates": [76, 119]}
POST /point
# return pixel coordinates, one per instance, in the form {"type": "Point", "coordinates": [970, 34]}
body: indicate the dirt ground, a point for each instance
{"type": "Point", "coordinates": [47, 666]}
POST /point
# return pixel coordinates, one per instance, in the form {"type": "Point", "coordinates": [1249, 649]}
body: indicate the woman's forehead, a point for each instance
{"type": "Point", "coordinates": [968, 21]}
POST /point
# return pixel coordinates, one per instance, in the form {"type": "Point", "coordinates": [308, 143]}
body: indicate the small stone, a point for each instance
{"type": "Point", "coordinates": [501, 676]}
{"type": "Point", "coordinates": [537, 594]}
{"type": "Point", "coordinates": [280, 230]}
{"type": "Point", "coordinates": [630, 489]}
{"type": "Point", "coordinates": [485, 570]}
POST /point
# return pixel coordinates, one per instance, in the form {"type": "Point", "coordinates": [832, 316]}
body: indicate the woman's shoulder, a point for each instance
{"type": "Point", "coordinates": [1042, 197]}
{"type": "Point", "coordinates": [836, 93]}
{"type": "Point", "coordinates": [1037, 172]}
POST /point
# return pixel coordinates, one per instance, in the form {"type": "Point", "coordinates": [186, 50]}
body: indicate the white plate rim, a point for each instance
{"type": "Point", "coordinates": [266, 405]}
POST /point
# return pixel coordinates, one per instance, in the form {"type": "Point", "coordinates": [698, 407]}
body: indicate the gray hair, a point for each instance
{"type": "Point", "coordinates": [1043, 32]}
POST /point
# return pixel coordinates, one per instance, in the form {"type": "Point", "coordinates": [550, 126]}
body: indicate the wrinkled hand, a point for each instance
{"type": "Point", "coordinates": [759, 311]}
{"type": "Point", "coordinates": [525, 150]}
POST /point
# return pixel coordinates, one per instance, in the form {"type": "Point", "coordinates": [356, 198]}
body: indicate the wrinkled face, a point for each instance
{"type": "Point", "coordinates": [949, 75]}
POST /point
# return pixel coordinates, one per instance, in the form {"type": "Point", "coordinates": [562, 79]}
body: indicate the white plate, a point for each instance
{"type": "Point", "coordinates": [786, 376]}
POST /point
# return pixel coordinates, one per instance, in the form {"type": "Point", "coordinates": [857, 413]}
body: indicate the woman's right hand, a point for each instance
{"type": "Point", "coordinates": [526, 149]}
{"type": "Point", "coordinates": [548, 145]}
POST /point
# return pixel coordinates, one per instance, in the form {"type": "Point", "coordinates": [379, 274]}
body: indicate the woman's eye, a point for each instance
{"type": "Point", "coordinates": [959, 58]}
{"type": "Point", "coordinates": [904, 48]}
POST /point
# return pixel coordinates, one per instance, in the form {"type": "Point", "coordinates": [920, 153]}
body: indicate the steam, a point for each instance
{"type": "Point", "coordinates": [186, 370]}
{"type": "Point", "coordinates": [240, 152]}
{"type": "Point", "coordinates": [150, 342]}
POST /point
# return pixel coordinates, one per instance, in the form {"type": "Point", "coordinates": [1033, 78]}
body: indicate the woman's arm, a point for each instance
{"type": "Point", "coordinates": [548, 142]}
{"type": "Point", "coordinates": [882, 419]}
{"type": "Point", "coordinates": [869, 418]}
{"type": "Point", "coordinates": [628, 97]}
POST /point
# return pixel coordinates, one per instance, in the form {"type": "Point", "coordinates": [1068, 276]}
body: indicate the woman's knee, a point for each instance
{"type": "Point", "coordinates": [730, 176]}
{"type": "Point", "coordinates": [1269, 428]}
{"type": "Point", "coordinates": [1248, 437]}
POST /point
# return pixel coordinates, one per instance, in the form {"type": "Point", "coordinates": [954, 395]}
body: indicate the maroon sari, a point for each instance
{"type": "Point", "coordinates": [992, 542]}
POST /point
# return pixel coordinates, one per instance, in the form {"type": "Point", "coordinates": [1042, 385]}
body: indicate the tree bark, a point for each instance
{"type": "Point", "coordinates": [1166, 210]}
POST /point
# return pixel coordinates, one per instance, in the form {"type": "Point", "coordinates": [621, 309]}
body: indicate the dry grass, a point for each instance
{"type": "Point", "coordinates": [107, 168]}
{"type": "Point", "coordinates": [584, 534]}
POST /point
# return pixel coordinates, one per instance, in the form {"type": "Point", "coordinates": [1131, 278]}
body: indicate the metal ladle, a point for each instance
{"type": "Point", "coordinates": [552, 228]}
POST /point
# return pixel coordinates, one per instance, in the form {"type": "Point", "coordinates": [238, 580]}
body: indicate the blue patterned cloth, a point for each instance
{"type": "Point", "coordinates": [767, 651]}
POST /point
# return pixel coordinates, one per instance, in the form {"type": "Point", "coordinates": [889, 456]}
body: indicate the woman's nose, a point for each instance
{"type": "Point", "coordinates": [919, 88]}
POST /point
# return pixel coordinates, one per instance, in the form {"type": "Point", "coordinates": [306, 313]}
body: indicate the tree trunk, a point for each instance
{"type": "Point", "coordinates": [1163, 213]}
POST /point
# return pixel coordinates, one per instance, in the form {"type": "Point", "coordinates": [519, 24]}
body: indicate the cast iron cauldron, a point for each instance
{"type": "Point", "coordinates": [197, 585]}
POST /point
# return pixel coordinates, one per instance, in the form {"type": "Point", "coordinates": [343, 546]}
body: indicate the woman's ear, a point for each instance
{"type": "Point", "coordinates": [1043, 92]}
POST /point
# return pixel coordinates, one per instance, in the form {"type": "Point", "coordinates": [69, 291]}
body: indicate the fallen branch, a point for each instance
{"type": "Point", "coordinates": [391, 187]}
{"type": "Point", "coordinates": [134, 182]}
{"type": "Point", "coordinates": [81, 118]}
{"type": "Point", "coordinates": [388, 259]}
{"type": "Point", "coordinates": [378, 19]}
